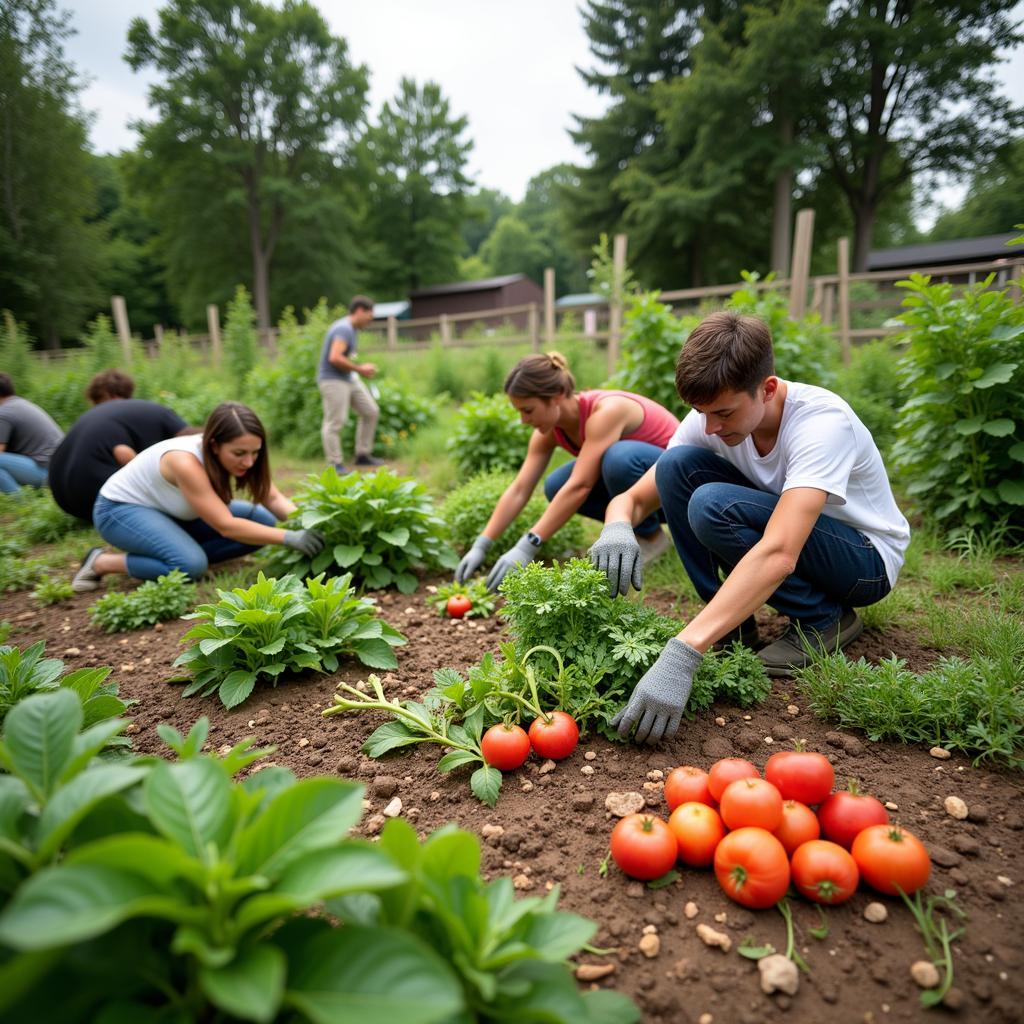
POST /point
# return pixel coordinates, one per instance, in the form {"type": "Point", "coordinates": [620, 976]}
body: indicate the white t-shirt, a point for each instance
{"type": "Point", "coordinates": [140, 481]}
{"type": "Point", "coordinates": [821, 444]}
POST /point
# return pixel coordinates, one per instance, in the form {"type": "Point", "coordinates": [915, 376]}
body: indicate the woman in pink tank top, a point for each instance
{"type": "Point", "coordinates": [616, 437]}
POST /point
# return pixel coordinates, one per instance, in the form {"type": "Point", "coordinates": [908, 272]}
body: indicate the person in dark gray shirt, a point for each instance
{"type": "Point", "coordinates": [28, 437]}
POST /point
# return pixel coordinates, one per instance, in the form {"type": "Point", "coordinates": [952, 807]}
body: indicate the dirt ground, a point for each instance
{"type": "Point", "coordinates": [553, 828]}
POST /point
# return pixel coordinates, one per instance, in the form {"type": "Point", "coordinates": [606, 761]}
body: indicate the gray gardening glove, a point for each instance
{"type": "Point", "coordinates": [309, 542]}
{"type": "Point", "coordinates": [617, 554]}
{"type": "Point", "coordinates": [516, 557]}
{"type": "Point", "coordinates": [473, 558]}
{"type": "Point", "coordinates": [660, 697]}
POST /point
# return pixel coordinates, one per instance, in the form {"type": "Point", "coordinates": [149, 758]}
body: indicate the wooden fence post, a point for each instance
{"type": "Point", "coordinates": [549, 307]}
{"type": "Point", "coordinates": [120, 310]}
{"type": "Point", "coordinates": [844, 300]}
{"type": "Point", "coordinates": [446, 330]}
{"type": "Point", "coordinates": [801, 264]}
{"type": "Point", "coordinates": [213, 322]}
{"type": "Point", "coordinates": [158, 337]}
{"type": "Point", "coordinates": [828, 304]}
{"type": "Point", "coordinates": [615, 306]}
{"type": "Point", "coordinates": [533, 326]}
{"type": "Point", "coordinates": [392, 334]}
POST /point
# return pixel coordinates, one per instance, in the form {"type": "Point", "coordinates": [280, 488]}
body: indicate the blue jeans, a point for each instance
{"type": "Point", "coordinates": [156, 543]}
{"type": "Point", "coordinates": [716, 515]}
{"type": "Point", "coordinates": [622, 465]}
{"type": "Point", "coordinates": [16, 470]}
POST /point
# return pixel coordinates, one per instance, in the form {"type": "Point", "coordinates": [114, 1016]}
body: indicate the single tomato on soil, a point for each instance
{"type": "Point", "coordinates": [505, 747]}
{"type": "Point", "coordinates": [729, 769]}
{"type": "Point", "coordinates": [799, 825]}
{"type": "Point", "coordinates": [891, 858]}
{"type": "Point", "coordinates": [644, 847]}
{"type": "Point", "coordinates": [458, 605]}
{"type": "Point", "coordinates": [698, 830]}
{"type": "Point", "coordinates": [687, 784]}
{"type": "Point", "coordinates": [824, 872]}
{"type": "Point", "coordinates": [753, 802]}
{"type": "Point", "coordinates": [554, 735]}
{"type": "Point", "coordinates": [801, 775]}
{"type": "Point", "coordinates": [847, 813]}
{"type": "Point", "coordinates": [752, 867]}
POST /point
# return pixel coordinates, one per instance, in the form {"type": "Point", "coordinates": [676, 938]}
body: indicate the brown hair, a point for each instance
{"type": "Point", "coordinates": [6, 385]}
{"type": "Point", "coordinates": [724, 352]}
{"type": "Point", "coordinates": [360, 302]}
{"type": "Point", "coordinates": [543, 375]}
{"type": "Point", "coordinates": [228, 421]}
{"type": "Point", "coordinates": [109, 384]}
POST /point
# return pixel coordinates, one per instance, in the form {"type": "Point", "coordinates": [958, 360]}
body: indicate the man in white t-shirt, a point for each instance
{"type": "Point", "coordinates": [777, 487]}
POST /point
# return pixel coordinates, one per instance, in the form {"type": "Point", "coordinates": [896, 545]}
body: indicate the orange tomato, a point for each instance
{"type": "Point", "coordinates": [729, 769]}
{"type": "Point", "coordinates": [753, 802]}
{"type": "Point", "coordinates": [824, 872]}
{"type": "Point", "coordinates": [799, 825]}
{"type": "Point", "coordinates": [698, 830]}
{"type": "Point", "coordinates": [687, 784]}
{"type": "Point", "coordinates": [643, 846]}
{"type": "Point", "coordinates": [890, 858]}
{"type": "Point", "coordinates": [752, 867]}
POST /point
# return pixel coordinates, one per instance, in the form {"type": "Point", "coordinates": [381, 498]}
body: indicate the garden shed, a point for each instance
{"type": "Point", "coordinates": [477, 296]}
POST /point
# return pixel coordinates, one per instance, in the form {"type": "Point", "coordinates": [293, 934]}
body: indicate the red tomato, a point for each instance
{"type": "Point", "coordinates": [698, 830]}
{"type": "Point", "coordinates": [729, 769]}
{"type": "Point", "coordinates": [505, 746]}
{"type": "Point", "coordinates": [644, 846]}
{"type": "Point", "coordinates": [799, 825]}
{"type": "Point", "coordinates": [891, 858]}
{"type": "Point", "coordinates": [848, 812]}
{"type": "Point", "coordinates": [458, 605]}
{"type": "Point", "coordinates": [752, 867]}
{"type": "Point", "coordinates": [687, 784]}
{"type": "Point", "coordinates": [751, 802]}
{"type": "Point", "coordinates": [554, 735]}
{"type": "Point", "coordinates": [801, 775]}
{"type": "Point", "coordinates": [824, 872]}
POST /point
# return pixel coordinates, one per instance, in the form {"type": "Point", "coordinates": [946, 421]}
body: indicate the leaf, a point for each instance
{"type": "Point", "coordinates": [399, 536]}
{"type": "Point", "coordinates": [211, 645]}
{"type": "Point", "coordinates": [455, 759]}
{"type": "Point", "coordinates": [485, 783]}
{"type": "Point", "coordinates": [751, 951]}
{"type": "Point", "coordinates": [557, 936]}
{"type": "Point", "coordinates": [348, 554]}
{"type": "Point", "coordinates": [406, 582]}
{"type": "Point", "coordinates": [236, 687]}
{"type": "Point", "coordinates": [389, 736]}
{"type": "Point", "coordinates": [375, 653]}
{"type": "Point", "coordinates": [190, 802]}
{"type": "Point", "coordinates": [999, 428]}
{"type": "Point", "coordinates": [997, 373]}
{"type": "Point", "coordinates": [666, 879]}
{"type": "Point", "coordinates": [39, 734]}
{"type": "Point", "coordinates": [1017, 451]}
{"type": "Point", "coordinates": [1011, 491]}
{"type": "Point", "coordinates": [251, 986]}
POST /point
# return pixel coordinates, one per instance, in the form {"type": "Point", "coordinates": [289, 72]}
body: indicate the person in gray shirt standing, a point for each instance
{"type": "Point", "coordinates": [28, 437]}
{"type": "Point", "coordinates": [339, 379]}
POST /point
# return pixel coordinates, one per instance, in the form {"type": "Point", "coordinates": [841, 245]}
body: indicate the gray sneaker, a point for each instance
{"type": "Point", "coordinates": [794, 649]}
{"type": "Point", "coordinates": [87, 578]}
{"type": "Point", "coordinates": [654, 545]}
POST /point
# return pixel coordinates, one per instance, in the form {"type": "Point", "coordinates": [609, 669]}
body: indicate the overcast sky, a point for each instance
{"type": "Point", "coordinates": [510, 67]}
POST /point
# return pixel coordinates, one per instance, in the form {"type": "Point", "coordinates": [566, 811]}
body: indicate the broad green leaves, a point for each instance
{"type": "Point", "coordinates": [167, 597]}
{"type": "Point", "coordinates": [488, 436]}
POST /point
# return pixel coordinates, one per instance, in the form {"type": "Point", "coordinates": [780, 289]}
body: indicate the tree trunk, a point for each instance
{"type": "Point", "coordinates": [863, 229]}
{"type": "Point", "coordinates": [782, 206]}
{"type": "Point", "coordinates": [260, 270]}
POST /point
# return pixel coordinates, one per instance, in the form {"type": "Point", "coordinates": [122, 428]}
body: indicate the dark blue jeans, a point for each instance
{"type": "Point", "coordinates": [156, 543]}
{"type": "Point", "coordinates": [621, 466]}
{"type": "Point", "coordinates": [716, 515]}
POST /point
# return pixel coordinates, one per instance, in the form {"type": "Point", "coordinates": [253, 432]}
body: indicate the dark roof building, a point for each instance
{"type": "Point", "coordinates": [986, 249]}
{"type": "Point", "coordinates": [476, 296]}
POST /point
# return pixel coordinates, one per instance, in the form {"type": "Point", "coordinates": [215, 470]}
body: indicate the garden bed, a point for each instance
{"type": "Point", "coordinates": [552, 828]}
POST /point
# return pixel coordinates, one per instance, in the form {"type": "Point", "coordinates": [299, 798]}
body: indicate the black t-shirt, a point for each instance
{"type": "Point", "coordinates": [85, 458]}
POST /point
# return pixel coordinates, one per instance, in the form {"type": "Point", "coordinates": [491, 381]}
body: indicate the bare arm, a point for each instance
{"type": "Point", "coordinates": [277, 503]}
{"type": "Point", "coordinates": [123, 454]}
{"type": "Point", "coordinates": [636, 504]}
{"type": "Point", "coordinates": [338, 358]}
{"type": "Point", "coordinates": [517, 494]}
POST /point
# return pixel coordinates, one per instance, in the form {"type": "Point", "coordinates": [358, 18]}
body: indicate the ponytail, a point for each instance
{"type": "Point", "coordinates": [543, 375]}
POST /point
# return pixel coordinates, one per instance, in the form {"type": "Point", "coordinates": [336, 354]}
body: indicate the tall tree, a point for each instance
{"type": "Point", "coordinates": [484, 208]}
{"type": "Point", "coordinates": [512, 248]}
{"type": "Point", "coordinates": [416, 199]}
{"type": "Point", "coordinates": [258, 100]}
{"type": "Point", "coordinates": [545, 210]}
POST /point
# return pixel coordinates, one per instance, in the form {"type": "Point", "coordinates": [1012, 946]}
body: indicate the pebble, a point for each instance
{"type": "Point", "coordinates": [634, 890]}
{"type": "Point", "coordinates": [955, 807]}
{"type": "Point", "coordinates": [954, 999]}
{"type": "Point", "coordinates": [994, 891]}
{"type": "Point", "coordinates": [710, 937]}
{"type": "Point", "coordinates": [346, 766]}
{"type": "Point", "coordinates": [621, 804]}
{"type": "Point", "coordinates": [705, 1018]}
{"type": "Point", "coordinates": [587, 770]}
{"type": "Point", "coordinates": [768, 740]}
{"type": "Point", "coordinates": [655, 775]}
{"type": "Point", "coordinates": [582, 801]}
{"type": "Point", "coordinates": [492, 832]}
{"type": "Point", "coordinates": [748, 740]}
{"type": "Point", "coordinates": [547, 766]}
{"type": "Point", "coordinates": [159, 627]}
{"type": "Point", "coordinates": [925, 973]}
{"type": "Point", "coordinates": [716, 747]}
{"type": "Point", "coordinates": [303, 742]}
{"type": "Point", "coordinates": [876, 913]}
{"type": "Point", "coordinates": [691, 910]}
{"type": "Point", "coordinates": [131, 729]}
{"type": "Point", "coordinates": [967, 845]}
{"type": "Point", "coordinates": [314, 760]}
{"type": "Point", "coordinates": [650, 946]}
{"type": "Point", "coordinates": [978, 813]}
{"type": "Point", "coordinates": [940, 753]}
{"type": "Point", "coordinates": [890, 806]}
{"type": "Point", "coordinates": [792, 709]}
{"type": "Point", "coordinates": [722, 917]}
{"type": "Point", "coordinates": [719, 720]}
{"type": "Point", "coordinates": [782, 732]}
{"type": "Point", "coordinates": [72, 652]}
{"type": "Point", "coordinates": [527, 786]}
{"type": "Point", "coordinates": [384, 786]}
{"type": "Point", "coordinates": [375, 823]}
{"type": "Point", "coordinates": [591, 756]}
{"type": "Point", "coordinates": [1004, 880]}
{"type": "Point", "coordinates": [650, 929]}
{"type": "Point", "coordinates": [778, 974]}
{"type": "Point", "coordinates": [523, 882]}
{"type": "Point", "coordinates": [594, 972]}
{"type": "Point", "coordinates": [944, 857]}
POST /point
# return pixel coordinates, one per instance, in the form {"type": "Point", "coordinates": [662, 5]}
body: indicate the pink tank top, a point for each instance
{"type": "Point", "coordinates": [657, 427]}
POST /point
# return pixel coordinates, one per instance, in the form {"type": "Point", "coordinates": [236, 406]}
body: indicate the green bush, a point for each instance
{"type": "Point", "coordinates": [42, 520]}
{"type": "Point", "coordinates": [241, 346]}
{"type": "Point", "coordinates": [167, 597]}
{"type": "Point", "coordinates": [488, 435]}
{"type": "Point", "coordinates": [379, 525]}
{"type": "Point", "coordinates": [873, 390]}
{"type": "Point", "coordinates": [467, 509]}
{"type": "Point", "coordinates": [52, 590]}
{"type": "Point", "coordinates": [960, 435]}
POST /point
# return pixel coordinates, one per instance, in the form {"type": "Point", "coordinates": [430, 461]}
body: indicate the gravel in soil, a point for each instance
{"type": "Point", "coordinates": [552, 828]}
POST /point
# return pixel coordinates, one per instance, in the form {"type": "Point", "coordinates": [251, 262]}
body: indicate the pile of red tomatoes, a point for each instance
{"type": "Point", "coordinates": [761, 834]}
{"type": "Point", "coordinates": [553, 735]}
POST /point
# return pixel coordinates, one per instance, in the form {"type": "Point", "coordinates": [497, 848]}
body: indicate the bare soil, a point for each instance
{"type": "Point", "coordinates": [554, 827]}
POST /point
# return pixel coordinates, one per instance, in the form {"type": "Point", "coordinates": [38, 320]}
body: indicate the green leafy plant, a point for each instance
{"type": "Point", "coordinates": [402, 415]}
{"type": "Point", "coordinates": [282, 625]}
{"type": "Point", "coordinates": [484, 602]}
{"type": "Point", "coordinates": [241, 346]}
{"type": "Point", "coordinates": [487, 435]}
{"type": "Point", "coordinates": [938, 938]}
{"type": "Point", "coordinates": [960, 435]}
{"type": "Point", "coordinates": [467, 508]}
{"type": "Point", "coordinates": [52, 590]}
{"type": "Point", "coordinates": [167, 597]}
{"type": "Point", "coordinates": [20, 573]}
{"type": "Point", "coordinates": [379, 525]}
{"type": "Point", "coordinates": [44, 522]}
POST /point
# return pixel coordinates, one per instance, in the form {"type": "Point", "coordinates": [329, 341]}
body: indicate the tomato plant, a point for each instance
{"type": "Point", "coordinates": [729, 769]}
{"type": "Point", "coordinates": [554, 735]}
{"type": "Point", "coordinates": [505, 747]}
{"type": "Point", "coordinates": [801, 775]}
{"type": "Point", "coordinates": [824, 872]}
{"type": "Point", "coordinates": [753, 802]}
{"type": "Point", "coordinates": [799, 825]}
{"type": "Point", "coordinates": [458, 605]}
{"type": "Point", "coordinates": [644, 847]}
{"type": "Point", "coordinates": [891, 859]}
{"type": "Point", "coordinates": [687, 784]}
{"type": "Point", "coordinates": [698, 830]}
{"type": "Point", "coordinates": [846, 813]}
{"type": "Point", "coordinates": [752, 867]}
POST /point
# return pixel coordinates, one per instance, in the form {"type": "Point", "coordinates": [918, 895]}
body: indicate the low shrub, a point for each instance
{"type": "Point", "coordinates": [167, 597]}
{"type": "Point", "coordinates": [488, 436]}
{"type": "Point", "coordinates": [52, 590]}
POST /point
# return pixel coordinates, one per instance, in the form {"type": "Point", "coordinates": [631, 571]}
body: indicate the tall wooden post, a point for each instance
{"type": "Point", "coordinates": [158, 338]}
{"type": "Point", "coordinates": [801, 264]}
{"type": "Point", "coordinates": [446, 331]}
{"type": "Point", "coordinates": [213, 322]}
{"type": "Point", "coordinates": [533, 326]}
{"type": "Point", "coordinates": [120, 310]}
{"type": "Point", "coordinates": [617, 299]}
{"type": "Point", "coordinates": [549, 307]}
{"type": "Point", "coordinates": [844, 300]}
{"type": "Point", "coordinates": [392, 334]}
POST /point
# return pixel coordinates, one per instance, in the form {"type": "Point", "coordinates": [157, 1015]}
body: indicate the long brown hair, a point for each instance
{"type": "Point", "coordinates": [228, 421]}
{"type": "Point", "coordinates": [543, 375]}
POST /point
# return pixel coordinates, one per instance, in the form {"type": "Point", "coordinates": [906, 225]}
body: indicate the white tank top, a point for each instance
{"type": "Point", "coordinates": [140, 482]}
